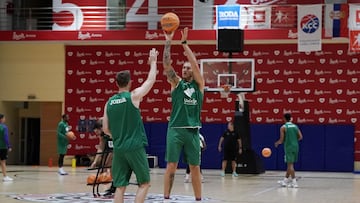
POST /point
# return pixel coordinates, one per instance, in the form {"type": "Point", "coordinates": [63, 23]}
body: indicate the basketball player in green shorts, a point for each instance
{"type": "Point", "coordinates": [183, 130]}
{"type": "Point", "coordinates": [290, 135]}
{"type": "Point", "coordinates": [122, 121]}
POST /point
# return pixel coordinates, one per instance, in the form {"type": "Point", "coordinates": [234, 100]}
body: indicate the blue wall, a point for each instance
{"type": "Point", "coordinates": [324, 147]}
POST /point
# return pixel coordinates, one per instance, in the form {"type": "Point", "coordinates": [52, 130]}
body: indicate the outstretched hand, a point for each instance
{"type": "Point", "coordinates": [169, 36]}
{"type": "Point", "coordinates": [153, 55]}
{"type": "Point", "coordinates": [184, 34]}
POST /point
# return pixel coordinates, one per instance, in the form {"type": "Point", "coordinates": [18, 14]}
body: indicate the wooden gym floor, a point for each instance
{"type": "Point", "coordinates": [43, 184]}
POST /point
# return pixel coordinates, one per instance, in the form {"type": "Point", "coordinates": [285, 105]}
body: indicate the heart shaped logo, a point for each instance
{"type": "Point", "coordinates": [291, 61]}
{"type": "Point", "coordinates": [228, 119]}
{"type": "Point", "coordinates": [276, 52]}
{"type": "Point", "coordinates": [70, 53]}
{"type": "Point", "coordinates": [98, 90]}
{"type": "Point", "coordinates": [259, 100]}
{"type": "Point", "coordinates": [276, 91]}
{"type": "Point", "coordinates": [354, 100]}
{"type": "Point", "coordinates": [259, 61]}
{"type": "Point", "coordinates": [338, 111]}
{"type": "Point", "coordinates": [306, 111]}
{"type": "Point", "coordinates": [69, 91]}
{"type": "Point", "coordinates": [69, 109]}
{"type": "Point", "coordinates": [111, 80]}
{"type": "Point", "coordinates": [82, 99]}
{"type": "Point", "coordinates": [339, 91]}
{"type": "Point", "coordinates": [215, 53]}
{"type": "Point", "coordinates": [215, 110]}
{"type": "Point", "coordinates": [70, 72]}
{"type": "Point", "coordinates": [140, 61]}
{"type": "Point", "coordinates": [83, 62]}
{"type": "Point", "coordinates": [276, 111]}
{"type": "Point", "coordinates": [98, 109]}
{"type": "Point", "coordinates": [307, 91]}
{"type": "Point", "coordinates": [354, 80]}
{"type": "Point", "coordinates": [353, 120]}
{"type": "Point", "coordinates": [229, 99]}
{"type": "Point", "coordinates": [82, 135]}
{"type": "Point", "coordinates": [112, 61]}
{"type": "Point", "coordinates": [98, 53]}
{"type": "Point", "coordinates": [156, 91]}
{"type": "Point", "coordinates": [322, 61]}
{"type": "Point", "coordinates": [156, 110]}
{"type": "Point", "coordinates": [339, 71]}
{"type": "Point", "coordinates": [276, 71]}
{"type": "Point", "coordinates": [82, 117]}
{"type": "Point", "coordinates": [246, 53]}
{"type": "Point", "coordinates": [259, 80]}
{"type": "Point", "coordinates": [140, 80]}
{"type": "Point", "coordinates": [307, 71]}
{"type": "Point", "coordinates": [340, 52]}
{"type": "Point", "coordinates": [290, 100]}
{"type": "Point", "coordinates": [127, 53]}
{"type": "Point", "coordinates": [322, 100]}
{"type": "Point", "coordinates": [169, 99]}
{"type": "Point", "coordinates": [322, 80]}
{"type": "Point", "coordinates": [290, 80]}
{"type": "Point", "coordinates": [354, 60]}
{"type": "Point", "coordinates": [98, 72]}
{"type": "Point", "coordinates": [321, 120]}
{"type": "Point", "coordinates": [82, 80]}
{"type": "Point", "coordinates": [258, 119]}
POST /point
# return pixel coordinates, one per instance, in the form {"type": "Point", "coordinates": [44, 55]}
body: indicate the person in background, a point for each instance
{"type": "Point", "coordinates": [122, 121]}
{"type": "Point", "coordinates": [5, 147]}
{"type": "Point", "coordinates": [103, 151]}
{"type": "Point", "coordinates": [187, 94]}
{"type": "Point", "coordinates": [62, 141]}
{"type": "Point", "coordinates": [230, 144]}
{"type": "Point", "coordinates": [290, 135]}
{"type": "Point", "coordinates": [202, 147]}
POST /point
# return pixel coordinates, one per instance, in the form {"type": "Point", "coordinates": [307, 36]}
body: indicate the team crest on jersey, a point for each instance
{"type": "Point", "coordinates": [89, 198]}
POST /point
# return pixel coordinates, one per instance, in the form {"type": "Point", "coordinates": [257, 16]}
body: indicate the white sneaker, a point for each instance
{"type": "Point", "coordinates": [294, 184]}
{"type": "Point", "coordinates": [284, 183]}
{"type": "Point", "coordinates": [187, 178]}
{"type": "Point", "coordinates": [7, 179]}
{"type": "Point", "coordinates": [62, 172]}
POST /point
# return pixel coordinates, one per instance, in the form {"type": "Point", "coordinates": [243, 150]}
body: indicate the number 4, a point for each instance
{"type": "Point", "coordinates": [152, 17]}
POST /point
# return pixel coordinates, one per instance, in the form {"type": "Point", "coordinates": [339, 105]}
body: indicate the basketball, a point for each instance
{"type": "Point", "coordinates": [266, 152]}
{"type": "Point", "coordinates": [105, 177]}
{"type": "Point", "coordinates": [71, 135]}
{"type": "Point", "coordinates": [91, 179]}
{"type": "Point", "coordinates": [169, 22]}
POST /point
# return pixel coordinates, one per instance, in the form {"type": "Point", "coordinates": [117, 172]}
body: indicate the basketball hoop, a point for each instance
{"type": "Point", "coordinates": [224, 93]}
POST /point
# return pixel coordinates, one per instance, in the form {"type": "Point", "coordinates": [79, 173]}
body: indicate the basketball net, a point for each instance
{"type": "Point", "coordinates": [224, 93]}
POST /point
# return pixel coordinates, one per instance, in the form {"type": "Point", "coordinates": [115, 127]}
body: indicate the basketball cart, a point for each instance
{"type": "Point", "coordinates": [101, 168]}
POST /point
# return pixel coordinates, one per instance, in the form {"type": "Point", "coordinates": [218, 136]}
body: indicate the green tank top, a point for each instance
{"type": "Point", "coordinates": [291, 136]}
{"type": "Point", "coordinates": [125, 123]}
{"type": "Point", "coordinates": [2, 138]}
{"type": "Point", "coordinates": [187, 102]}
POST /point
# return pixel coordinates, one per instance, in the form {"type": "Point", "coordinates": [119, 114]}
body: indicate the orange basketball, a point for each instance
{"type": "Point", "coordinates": [266, 152]}
{"type": "Point", "coordinates": [170, 22]}
{"type": "Point", "coordinates": [105, 177]}
{"type": "Point", "coordinates": [71, 135]}
{"type": "Point", "coordinates": [91, 179]}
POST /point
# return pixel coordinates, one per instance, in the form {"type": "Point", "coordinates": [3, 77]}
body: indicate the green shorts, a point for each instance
{"type": "Point", "coordinates": [123, 164]}
{"type": "Point", "coordinates": [186, 140]}
{"type": "Point", "coordinates": [291, 156]}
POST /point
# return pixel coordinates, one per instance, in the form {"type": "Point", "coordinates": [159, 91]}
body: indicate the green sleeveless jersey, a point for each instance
{"type": "Point", "coordinates": [125, 124]}
{"type": "Point", "coordinates": [291, 136]}
{"type": "Point", "coordinates": [187, 102]}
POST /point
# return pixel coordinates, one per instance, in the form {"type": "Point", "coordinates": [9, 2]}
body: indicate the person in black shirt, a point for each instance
{"type": "Point", "coordinates": [230, 144]}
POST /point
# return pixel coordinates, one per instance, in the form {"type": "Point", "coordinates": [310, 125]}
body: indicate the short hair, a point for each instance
{"type": "Point", "coordinates": [123, 78]}
{"type": "Point", "coordinates": [287, 116]}
{"type": "Point", "coordinates": [97, 125]}
{"type": "Point", "coordinates": [1, 116]}
{"type": "Point", "coordinates": [64, 116]}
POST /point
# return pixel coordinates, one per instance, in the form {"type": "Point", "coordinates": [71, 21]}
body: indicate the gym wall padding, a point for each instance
{"type": "Point", "coordinates": [323, 148]}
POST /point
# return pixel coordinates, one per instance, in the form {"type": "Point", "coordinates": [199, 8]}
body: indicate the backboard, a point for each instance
{"type": "Point", "coordinates": [238, 73]}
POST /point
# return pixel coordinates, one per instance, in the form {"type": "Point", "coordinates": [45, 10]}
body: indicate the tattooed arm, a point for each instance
{"type": "Point", "coordinates": [169, 71]}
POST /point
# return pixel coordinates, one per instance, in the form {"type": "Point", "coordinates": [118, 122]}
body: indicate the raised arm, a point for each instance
{"type": "Point", "coordinates": [192, 59]}
{"type": "Point", "coordinates": [169, 71]}
{"type": "Point", "coordinates": [138, 93]}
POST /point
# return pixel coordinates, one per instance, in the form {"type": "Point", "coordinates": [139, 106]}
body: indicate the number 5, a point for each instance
{"type": "Point", "coordinates": [58, 6]}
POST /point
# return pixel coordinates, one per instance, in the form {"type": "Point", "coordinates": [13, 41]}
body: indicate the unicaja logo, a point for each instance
{"type": "Point", "coordinates": [310, 23]}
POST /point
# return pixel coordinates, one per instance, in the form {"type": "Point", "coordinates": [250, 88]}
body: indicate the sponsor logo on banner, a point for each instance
{"type": "Point", "coordinates": [228, 16]}
{"type": "Point", "coordinates": [283, 16]}
{"type": "Point", "coordinates": [256, 17]}
{"type": "Point", "coordinates": [354, 40]}
{"type": "Point", "coordinates": [354, 16]}
{"type": "Point", "coordinates": [309, 27]}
